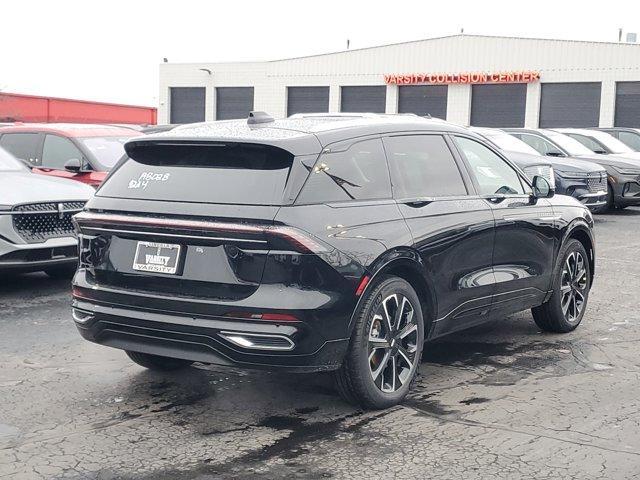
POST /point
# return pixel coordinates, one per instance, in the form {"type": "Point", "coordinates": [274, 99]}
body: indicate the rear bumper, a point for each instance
{"type": "Point", "coordinates": [311, 333]}
{"type": "Point", "coordinates": [203, 339]}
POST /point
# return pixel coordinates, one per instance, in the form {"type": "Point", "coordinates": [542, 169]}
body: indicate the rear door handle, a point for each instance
{"type": "Point", "coordinates": [418, 202]}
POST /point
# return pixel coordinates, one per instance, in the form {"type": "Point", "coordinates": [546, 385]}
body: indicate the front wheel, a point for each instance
{"type": "Point", "coordinates": [565, 308]}
{"type": "Point", "coordinates": [156, 362]}
{"type": "Point", "coordinates": [385, 347]}
{"type": "Point", "coordinates": [611, 204]}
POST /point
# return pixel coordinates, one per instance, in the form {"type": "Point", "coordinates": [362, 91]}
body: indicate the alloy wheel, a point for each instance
{"type": "Point", "coordinates": [392, 347]}
{"type": "Point", "coordinates": [573, 286]}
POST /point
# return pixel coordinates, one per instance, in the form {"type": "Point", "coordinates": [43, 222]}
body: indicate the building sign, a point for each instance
{"type": "Point", "coordinates": [525, 76]}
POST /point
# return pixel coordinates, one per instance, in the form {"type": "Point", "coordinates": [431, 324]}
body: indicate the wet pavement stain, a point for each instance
{"type": "Point", "coordinates": [288, 448]}
{"type": "Point", "coordinates": [187, 400]}
{"type": "Point", "coordinates": [306, 410]}
{"type": "Point", "coordinates": [475, 400]}
{"type": "Point", "coordinates": [281, 422]}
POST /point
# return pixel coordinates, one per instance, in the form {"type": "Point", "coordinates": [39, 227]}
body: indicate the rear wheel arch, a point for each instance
{"type": "Point", "coordinates": [409, 267]}
{"type": "Point", "coordinates": [580, 233]}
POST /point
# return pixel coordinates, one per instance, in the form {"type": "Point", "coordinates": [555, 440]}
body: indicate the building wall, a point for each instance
{"type": "Point", "coordinates": [31, 108]}
{"type": "Point", "coordinates": [557, 60]}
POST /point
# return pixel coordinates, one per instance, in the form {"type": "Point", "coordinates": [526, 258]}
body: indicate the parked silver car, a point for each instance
{"type": "Point", "coordinates": [35, 219]}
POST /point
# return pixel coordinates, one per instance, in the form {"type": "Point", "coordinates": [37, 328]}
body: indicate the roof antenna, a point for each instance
{"type": "Point", "coordinates": [259, 117]}
{"type": "Point", "coordinates": [348, 43]}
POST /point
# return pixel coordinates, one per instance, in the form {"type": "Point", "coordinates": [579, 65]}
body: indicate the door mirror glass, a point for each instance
{"type": "Point", "coordinates": [73, 165]}
{"type": "Point", "coordinates": [541, 187]}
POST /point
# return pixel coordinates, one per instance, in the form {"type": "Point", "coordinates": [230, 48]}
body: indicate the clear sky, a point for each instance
{"type": "Point", "coordinates": [110, 50]}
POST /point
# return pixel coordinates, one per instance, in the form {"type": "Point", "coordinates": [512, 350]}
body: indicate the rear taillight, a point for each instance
{"type": "Point", "coordinates": [297, 239]}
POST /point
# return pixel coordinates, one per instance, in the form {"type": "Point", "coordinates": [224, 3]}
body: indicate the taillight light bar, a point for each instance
{"type": "Point", "coordinates": [294, 237]}
{"type": "Point", "coordinates": [89, 217]}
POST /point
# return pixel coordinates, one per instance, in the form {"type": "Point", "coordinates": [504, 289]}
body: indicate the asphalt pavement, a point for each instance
{"type": "Point", "coordinates": [503, 400]}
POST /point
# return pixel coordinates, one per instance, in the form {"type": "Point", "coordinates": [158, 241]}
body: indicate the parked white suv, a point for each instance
{"type": "Point", "coordinates": [35, 219]}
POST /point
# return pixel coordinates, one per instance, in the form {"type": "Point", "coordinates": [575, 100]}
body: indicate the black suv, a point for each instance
{"type": "Point", "coordinates": [322, 243]}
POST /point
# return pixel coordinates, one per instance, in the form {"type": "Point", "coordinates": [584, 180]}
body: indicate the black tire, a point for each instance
{"type": "Point", "coordinates": [355, 379]}
{"type": "Point", "coordinates": [158, 363]}
{"type": "Point", "coordinates": [61, 271]}
{"type": "Point", "coordinates": [563, 311]}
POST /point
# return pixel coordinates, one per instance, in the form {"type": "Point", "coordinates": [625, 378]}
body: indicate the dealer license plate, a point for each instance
{"type": "Point", "coordinates": [157, 257]}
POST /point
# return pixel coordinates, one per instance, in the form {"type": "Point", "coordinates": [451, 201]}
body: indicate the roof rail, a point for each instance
{"type": "Point", "coordinates": [259, 117]}
{"type": "Point", "coordinates": [335, 115]}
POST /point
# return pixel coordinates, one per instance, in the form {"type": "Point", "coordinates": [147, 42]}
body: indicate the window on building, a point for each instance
{"type": "Point", "coordinates": [307, 100]}
{"type": "Point", "coordinates": [370, 99]}
{"type": "Point", "coordinates": [627, 104]}
{"type": "Point", "coordinates": [359, 172]}
{"type": "Point", "coordinates": [498, 105]}
{"type": "Point", "coordinates": [575, 104]}
{"type": "Point", "coordinates": [492, 173]}
{"type": "Point", "coordinates": [423, 166]}
{"type": "Point", "coordinates": [233, 102]}
{"type": "Point", "coordinates": [186, 104]}
{"type": "Point", "coordinates": [423, 100]}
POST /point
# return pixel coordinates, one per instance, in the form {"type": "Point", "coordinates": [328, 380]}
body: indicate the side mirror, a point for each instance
{"type": "Point", "coordinates": [542, 188]}
{"type": "Point", "coordinates": [73, 165]}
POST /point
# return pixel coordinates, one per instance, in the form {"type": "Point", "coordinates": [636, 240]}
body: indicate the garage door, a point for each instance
{"type": "Point", "coordinates": [423, 100]}
{"type": "Point", "coordinates": [233, 102]}
{"type": "Point", "coordinates": [187, 104]}
{"type": "Point", "coordinates": [307, 99]}
{"type": "Point", "coordinates": [363, 99]}
{"type": "Point", "coordinates": [627, 104]}
{"type": "Point", "coordinates": [570, 105]}
{"type": "Point", "coordinates": [498, 105]}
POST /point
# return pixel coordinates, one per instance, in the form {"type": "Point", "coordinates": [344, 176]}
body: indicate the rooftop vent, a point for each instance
{"type": "Point", "coordinates": [256, 118]}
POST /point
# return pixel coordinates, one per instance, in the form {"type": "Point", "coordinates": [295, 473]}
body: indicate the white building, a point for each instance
{"type": "Point", "coordinates": [467, 79]}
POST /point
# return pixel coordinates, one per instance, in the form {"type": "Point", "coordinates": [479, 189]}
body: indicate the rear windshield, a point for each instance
{"type": "Point", "coordinates": [245, 174]}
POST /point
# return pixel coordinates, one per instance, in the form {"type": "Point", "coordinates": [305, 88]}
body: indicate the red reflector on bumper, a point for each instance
{"type": "Point", "coordinates": [269, 317]}
{"type": "Point", "coordinates": [362, 285]}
